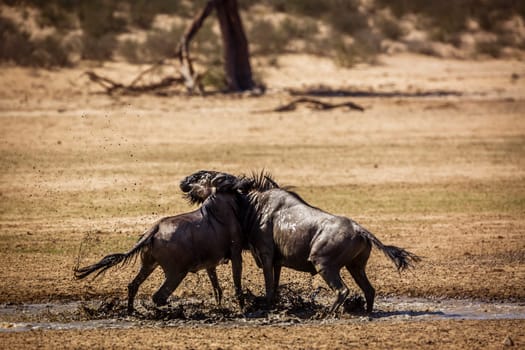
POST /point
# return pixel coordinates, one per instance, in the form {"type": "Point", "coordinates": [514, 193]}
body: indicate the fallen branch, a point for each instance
{"type": "Point", "coordinates": [113, 87]}
{"type": "Point", "coordinates": [315, 104]}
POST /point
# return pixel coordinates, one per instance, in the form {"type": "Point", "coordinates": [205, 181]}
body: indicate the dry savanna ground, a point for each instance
{"type": "Point", "coordinates": [441, 176]}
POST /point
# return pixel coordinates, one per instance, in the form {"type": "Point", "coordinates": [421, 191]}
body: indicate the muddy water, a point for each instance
{"type": "Point", "coordinates": [111, 314]}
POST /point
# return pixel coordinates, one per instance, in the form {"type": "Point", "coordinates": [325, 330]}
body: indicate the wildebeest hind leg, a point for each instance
{"type": "Point", "coordinates": [333, 279]}
{"type": "Point", "coordinates": [359, 275]}
{"type": "Point", "coordinates": [217, 290]}
{"type": "Point", "coordinates": [146, 269]}
{"type": "Point", "coordinates": [357, 268]}
{"type": "Point", "coordinates": [269, 282]}
{"type": "Point", "coordinates": [276, 278]}
{"type": "Point", "coordinates": [171, 283]}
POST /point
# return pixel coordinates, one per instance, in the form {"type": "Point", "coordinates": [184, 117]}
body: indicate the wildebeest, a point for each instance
{"type": "Point", "coordinates": [284, 230]}
{"type": "Point", "coordinates": [188, 242]}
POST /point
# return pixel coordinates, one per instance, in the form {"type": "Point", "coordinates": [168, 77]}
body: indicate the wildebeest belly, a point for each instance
{"type": "Point", "coordinates": [293, 250]}
{"type": "Point", "coordinates": [294, 229]}
{"type": "Point", "coordinates": [188, 251]}
{"type": "Point", "coordinates": [206, 264]}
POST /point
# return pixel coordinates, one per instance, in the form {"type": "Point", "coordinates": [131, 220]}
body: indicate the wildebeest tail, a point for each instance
{"type": "Point", "coordinates": [114, 259]}
{"type": "Point", "coordinates": [402, 258]}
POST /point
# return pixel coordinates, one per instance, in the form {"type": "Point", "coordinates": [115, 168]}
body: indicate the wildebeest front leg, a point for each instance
{"type": "Point", "coordinates": [237, 275]}
{"type": "Point", "coordinates": [217, 290]}
{"type": "Point", "coordinates": [171, 283]}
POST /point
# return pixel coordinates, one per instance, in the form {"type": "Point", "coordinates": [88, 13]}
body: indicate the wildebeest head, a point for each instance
{"type": "Point", "coordinates": [203, 183]}
{"type": "Point", "coordinates": [200, 185]}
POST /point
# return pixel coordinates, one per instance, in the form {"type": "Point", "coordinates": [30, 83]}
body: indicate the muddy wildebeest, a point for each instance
{"type": "Point", "coordinates": [188, 242]}
{"type": "Point", "coordinates": [283, 230]}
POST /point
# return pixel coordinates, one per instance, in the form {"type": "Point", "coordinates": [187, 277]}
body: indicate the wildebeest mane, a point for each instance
{"type": "Point", "coordinates": [261, 182]}
{"type": "Point", "coordinates": [264, 181]}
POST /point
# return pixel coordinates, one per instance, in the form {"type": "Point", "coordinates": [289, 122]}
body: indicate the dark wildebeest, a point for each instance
{"type": "Point", "coordinates": [188, 242]}
{"type": "Point", "coordinates": [283, 230]}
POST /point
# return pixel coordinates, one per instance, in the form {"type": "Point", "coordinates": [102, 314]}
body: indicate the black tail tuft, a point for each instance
{"type": "Point", "coordinates": [104, 264]}
{"type": "Point", "coordinates": [114, 259]}
{"type": "Point", "coordinates": [401, 257]}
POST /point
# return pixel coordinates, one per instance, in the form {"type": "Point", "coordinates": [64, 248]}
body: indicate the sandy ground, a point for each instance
{"type": "Point", "coordinates": [440, 176]}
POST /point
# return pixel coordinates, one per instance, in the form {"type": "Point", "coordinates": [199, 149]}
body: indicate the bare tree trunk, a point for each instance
{"type": "Point", "coordinates": [236, 54]}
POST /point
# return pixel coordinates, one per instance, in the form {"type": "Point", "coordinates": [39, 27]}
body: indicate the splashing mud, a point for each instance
{"type": "Point", "coordinates": [290, 309]}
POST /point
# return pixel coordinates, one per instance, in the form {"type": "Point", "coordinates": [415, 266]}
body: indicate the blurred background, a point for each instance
{"type": "Point", "coordinates": [60, 33]}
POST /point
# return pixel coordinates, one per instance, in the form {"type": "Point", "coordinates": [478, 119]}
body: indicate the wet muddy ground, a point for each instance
{"type": "Point", "coordinates": [111, 313]}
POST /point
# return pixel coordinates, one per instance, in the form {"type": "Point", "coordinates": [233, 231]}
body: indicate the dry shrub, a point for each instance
{"type": "Point", "coordinates": [207, 44]}
{"type": "Point", "coordinates": [266, 38]}
{"type": "Point", "coordinates": [17, 47]}
{"type": "Point", "coordinates": [50, 52]}
{"type": "Point", "coordinates": [490, 48]}
{"type": "Point", "coordinates": [143, 12]}
{"type": "Point", "coordinates": [131, 50]}
{"type": "Point", "coordinates": [98, 48]}
{"type": "Point", "coordinates": [304, 28]}
{"type": "Point", "coordinates": [161, 43]}
{"type": "Point", "coordinates": [390, 28]}
{"type": "Point", "coordinates": [364, 49]}
{"type": "Point", "coordinates": [214, 78]}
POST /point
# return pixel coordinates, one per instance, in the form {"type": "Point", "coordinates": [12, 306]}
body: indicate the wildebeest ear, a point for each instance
{"type": "Point", "coordinates": [244, 185]}
{"type": "Point", "coordinates": [217, 179]}
{"type": "Point", "coordinates": [224, 182]}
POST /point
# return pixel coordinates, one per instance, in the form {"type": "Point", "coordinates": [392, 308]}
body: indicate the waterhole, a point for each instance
{"type": "Point", "coordinates": [111, 313]}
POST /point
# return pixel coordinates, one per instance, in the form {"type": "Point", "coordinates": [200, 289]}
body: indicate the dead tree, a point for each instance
{"type": "Point", "coordinates": [236, 54]}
